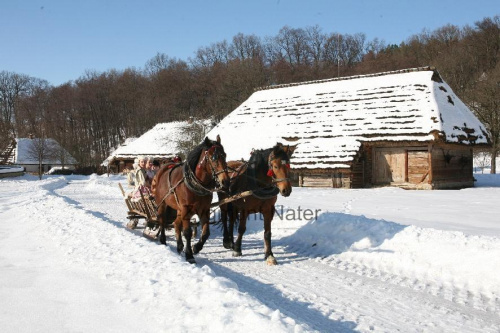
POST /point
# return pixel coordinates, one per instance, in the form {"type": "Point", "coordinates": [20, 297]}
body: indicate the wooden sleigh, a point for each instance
{"type": "Point", "coordinates": [146, 209]}
{"type": "Point", "coordinates": [142, 209]}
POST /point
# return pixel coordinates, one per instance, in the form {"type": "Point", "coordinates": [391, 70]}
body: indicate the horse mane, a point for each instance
{"type": "Point", "coordinates": [259, 158]}
{"type": "Point", "coordinates": [191, 160]}
{"type": "Point", "coordinates": [194, 155]}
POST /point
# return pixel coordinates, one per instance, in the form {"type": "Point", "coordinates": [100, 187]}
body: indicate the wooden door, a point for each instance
{"type": "Point", "coordinates": [389, 166]}
{"type": "Point", "coordinates": [418, 166]}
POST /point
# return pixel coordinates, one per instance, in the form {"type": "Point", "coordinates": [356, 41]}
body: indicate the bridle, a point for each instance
{"type": "Point", "coordinates": [216, 154]}
{"type": "Point", "coordinates": [271, 173]}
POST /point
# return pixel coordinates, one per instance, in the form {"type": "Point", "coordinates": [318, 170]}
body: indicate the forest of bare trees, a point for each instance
{"type": "Point", "coordinates": [98, 111]}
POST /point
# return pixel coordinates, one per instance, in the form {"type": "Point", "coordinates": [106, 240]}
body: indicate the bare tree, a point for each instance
{"type": "Point", "coordinates": [291, 45]}
{"type": "Point", "coordinates": [12, 87]}
{"type": "Point", "coordinates": [191, 136]}
{"type": "Point", "coordinates": [4, 135]}
{"type": "Point", "coordinates": [215, 54]}
{"type": "Point", "coordinates": [158, 63]}
{"type": "Point", "coordinates": [484, 100]}
{"type": "Point", "coordinates": [481, 159]}
{"type": "Point", "coordinates": [246, 47]}
{"type": "Point", "coordinates": [316, 41]}
{"type": "Point", "coordinates": [42, 150]}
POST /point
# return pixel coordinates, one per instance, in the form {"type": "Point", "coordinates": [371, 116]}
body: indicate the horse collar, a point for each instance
{"type": "Point", "coordinates": [192, 183]}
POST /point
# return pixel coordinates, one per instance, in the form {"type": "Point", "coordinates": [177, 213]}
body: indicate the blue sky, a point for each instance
{"type": "Point", "coordinates": [58, 40]}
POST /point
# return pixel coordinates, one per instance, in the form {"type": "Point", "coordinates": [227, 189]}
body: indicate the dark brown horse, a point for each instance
{"type": "Point", "coordinates": [186, 190]}
{"type": "Point", "coordinates": [266, 175]}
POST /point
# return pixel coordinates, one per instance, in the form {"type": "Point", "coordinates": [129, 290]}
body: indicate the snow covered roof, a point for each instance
{"type": "Point", "coordinates": [160, 141]}
{"type": "Point", "coordinates": [24, 153]}
{"type": "Point", "coordinates": [329, 119]}
{"type": "Point", "coordinates": [11, 168]}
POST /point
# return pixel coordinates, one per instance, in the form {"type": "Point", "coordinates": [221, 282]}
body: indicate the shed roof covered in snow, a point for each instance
{"type": "Point", "coordinates": [329, 119]}
{"type": "Point", "coordinates": [25, 152]}
{"type": "Point", "coordinates": [159, 142]}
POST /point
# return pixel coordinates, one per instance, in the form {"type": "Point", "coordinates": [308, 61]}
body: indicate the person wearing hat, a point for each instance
{"type": "Point", "coordinates": [140, 172]}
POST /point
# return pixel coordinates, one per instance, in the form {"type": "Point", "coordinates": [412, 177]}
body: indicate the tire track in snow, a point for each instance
{"type": "Point", "coordinates": [336, 296]}
{"type": "Point", "coordinates": [341, 295]}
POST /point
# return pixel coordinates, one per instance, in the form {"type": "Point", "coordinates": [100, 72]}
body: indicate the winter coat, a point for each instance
{"type": "Point", "coordinates": [131, 177]}
{"type": "Point", "coordinates": [140, 177]}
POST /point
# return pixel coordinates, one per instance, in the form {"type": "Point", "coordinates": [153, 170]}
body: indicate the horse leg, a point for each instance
{"type": "Point", "coordinates": [187, 231]}
{"type": "Point", "coordinates": [162, 215]}
{"type": "Point", "coordinates": [225, 233]}
{"type": "Point", "coordinates": [268, 253]}
{"type": "Point", "coordinates": [205, 227]}
{"type": "Point", "coordinates": [227, 241]}
{"type": "Point", "coordinates": [242, 227]}
{"type": "Point", "coordinates": [178, 235]}
{"type": "Point", "coordinates": [233, 214]}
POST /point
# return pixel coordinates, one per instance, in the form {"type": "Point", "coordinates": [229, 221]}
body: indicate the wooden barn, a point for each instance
{"type": "Point", "coordinates": [404, 128]}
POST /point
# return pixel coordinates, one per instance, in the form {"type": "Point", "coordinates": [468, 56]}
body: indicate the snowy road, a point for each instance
{"type": "Point", "coordinates": [325, 293]}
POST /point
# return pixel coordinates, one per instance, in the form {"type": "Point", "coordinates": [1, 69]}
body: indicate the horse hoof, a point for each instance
{"type": "Point", "coordinates": [271, 261]}
{"type": "Point", "coordinates": [227, 245]}
{"type": "Point", "coordinates": [191, 261]}
{"type": "Point", "coordinates": [196, 249]}
{"type": "Point", "coordinates": [236, 253]}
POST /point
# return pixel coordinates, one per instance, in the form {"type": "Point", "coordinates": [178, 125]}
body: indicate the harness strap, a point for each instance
{"type": "Point", "coordinates": [172, 190]}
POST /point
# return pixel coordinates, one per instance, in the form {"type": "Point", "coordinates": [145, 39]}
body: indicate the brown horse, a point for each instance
{"type": "Point", "coordinates": [266, 175]}
{"type": "Point", "coordinates": [186, 190]}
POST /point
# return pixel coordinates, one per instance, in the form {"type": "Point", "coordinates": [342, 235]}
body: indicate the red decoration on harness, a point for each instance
{"type": "Point", "coordinates": [287, 166]}
{"type": "Point", "coordinates": [270, 173]}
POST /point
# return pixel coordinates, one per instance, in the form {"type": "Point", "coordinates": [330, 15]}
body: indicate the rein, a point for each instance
{"type": "Point", "coordinates": [240, 172]}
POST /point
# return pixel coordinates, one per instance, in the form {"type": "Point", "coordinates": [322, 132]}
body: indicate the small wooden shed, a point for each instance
{"type": "Point", "coordinates": [404, 128]}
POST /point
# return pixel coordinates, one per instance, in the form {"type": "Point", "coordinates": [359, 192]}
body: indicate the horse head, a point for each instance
{"type": "Point", "coordinates": [213, 161]}
{"type": "Point", "coordinates": [279, 167]}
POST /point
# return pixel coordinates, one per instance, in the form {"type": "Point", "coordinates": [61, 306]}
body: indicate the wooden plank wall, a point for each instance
{"type": "Point", "coordinates": [438, 166]}
{"type": "Point", "coordinates": [332, 180]}
{"type": "Point", "coordinates": [452, 164]}
{"type": "Point", "coordinates": [418, 166]}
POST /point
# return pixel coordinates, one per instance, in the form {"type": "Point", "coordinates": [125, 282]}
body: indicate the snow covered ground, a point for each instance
{"type": "Point", "coordinates": [381, 260]}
